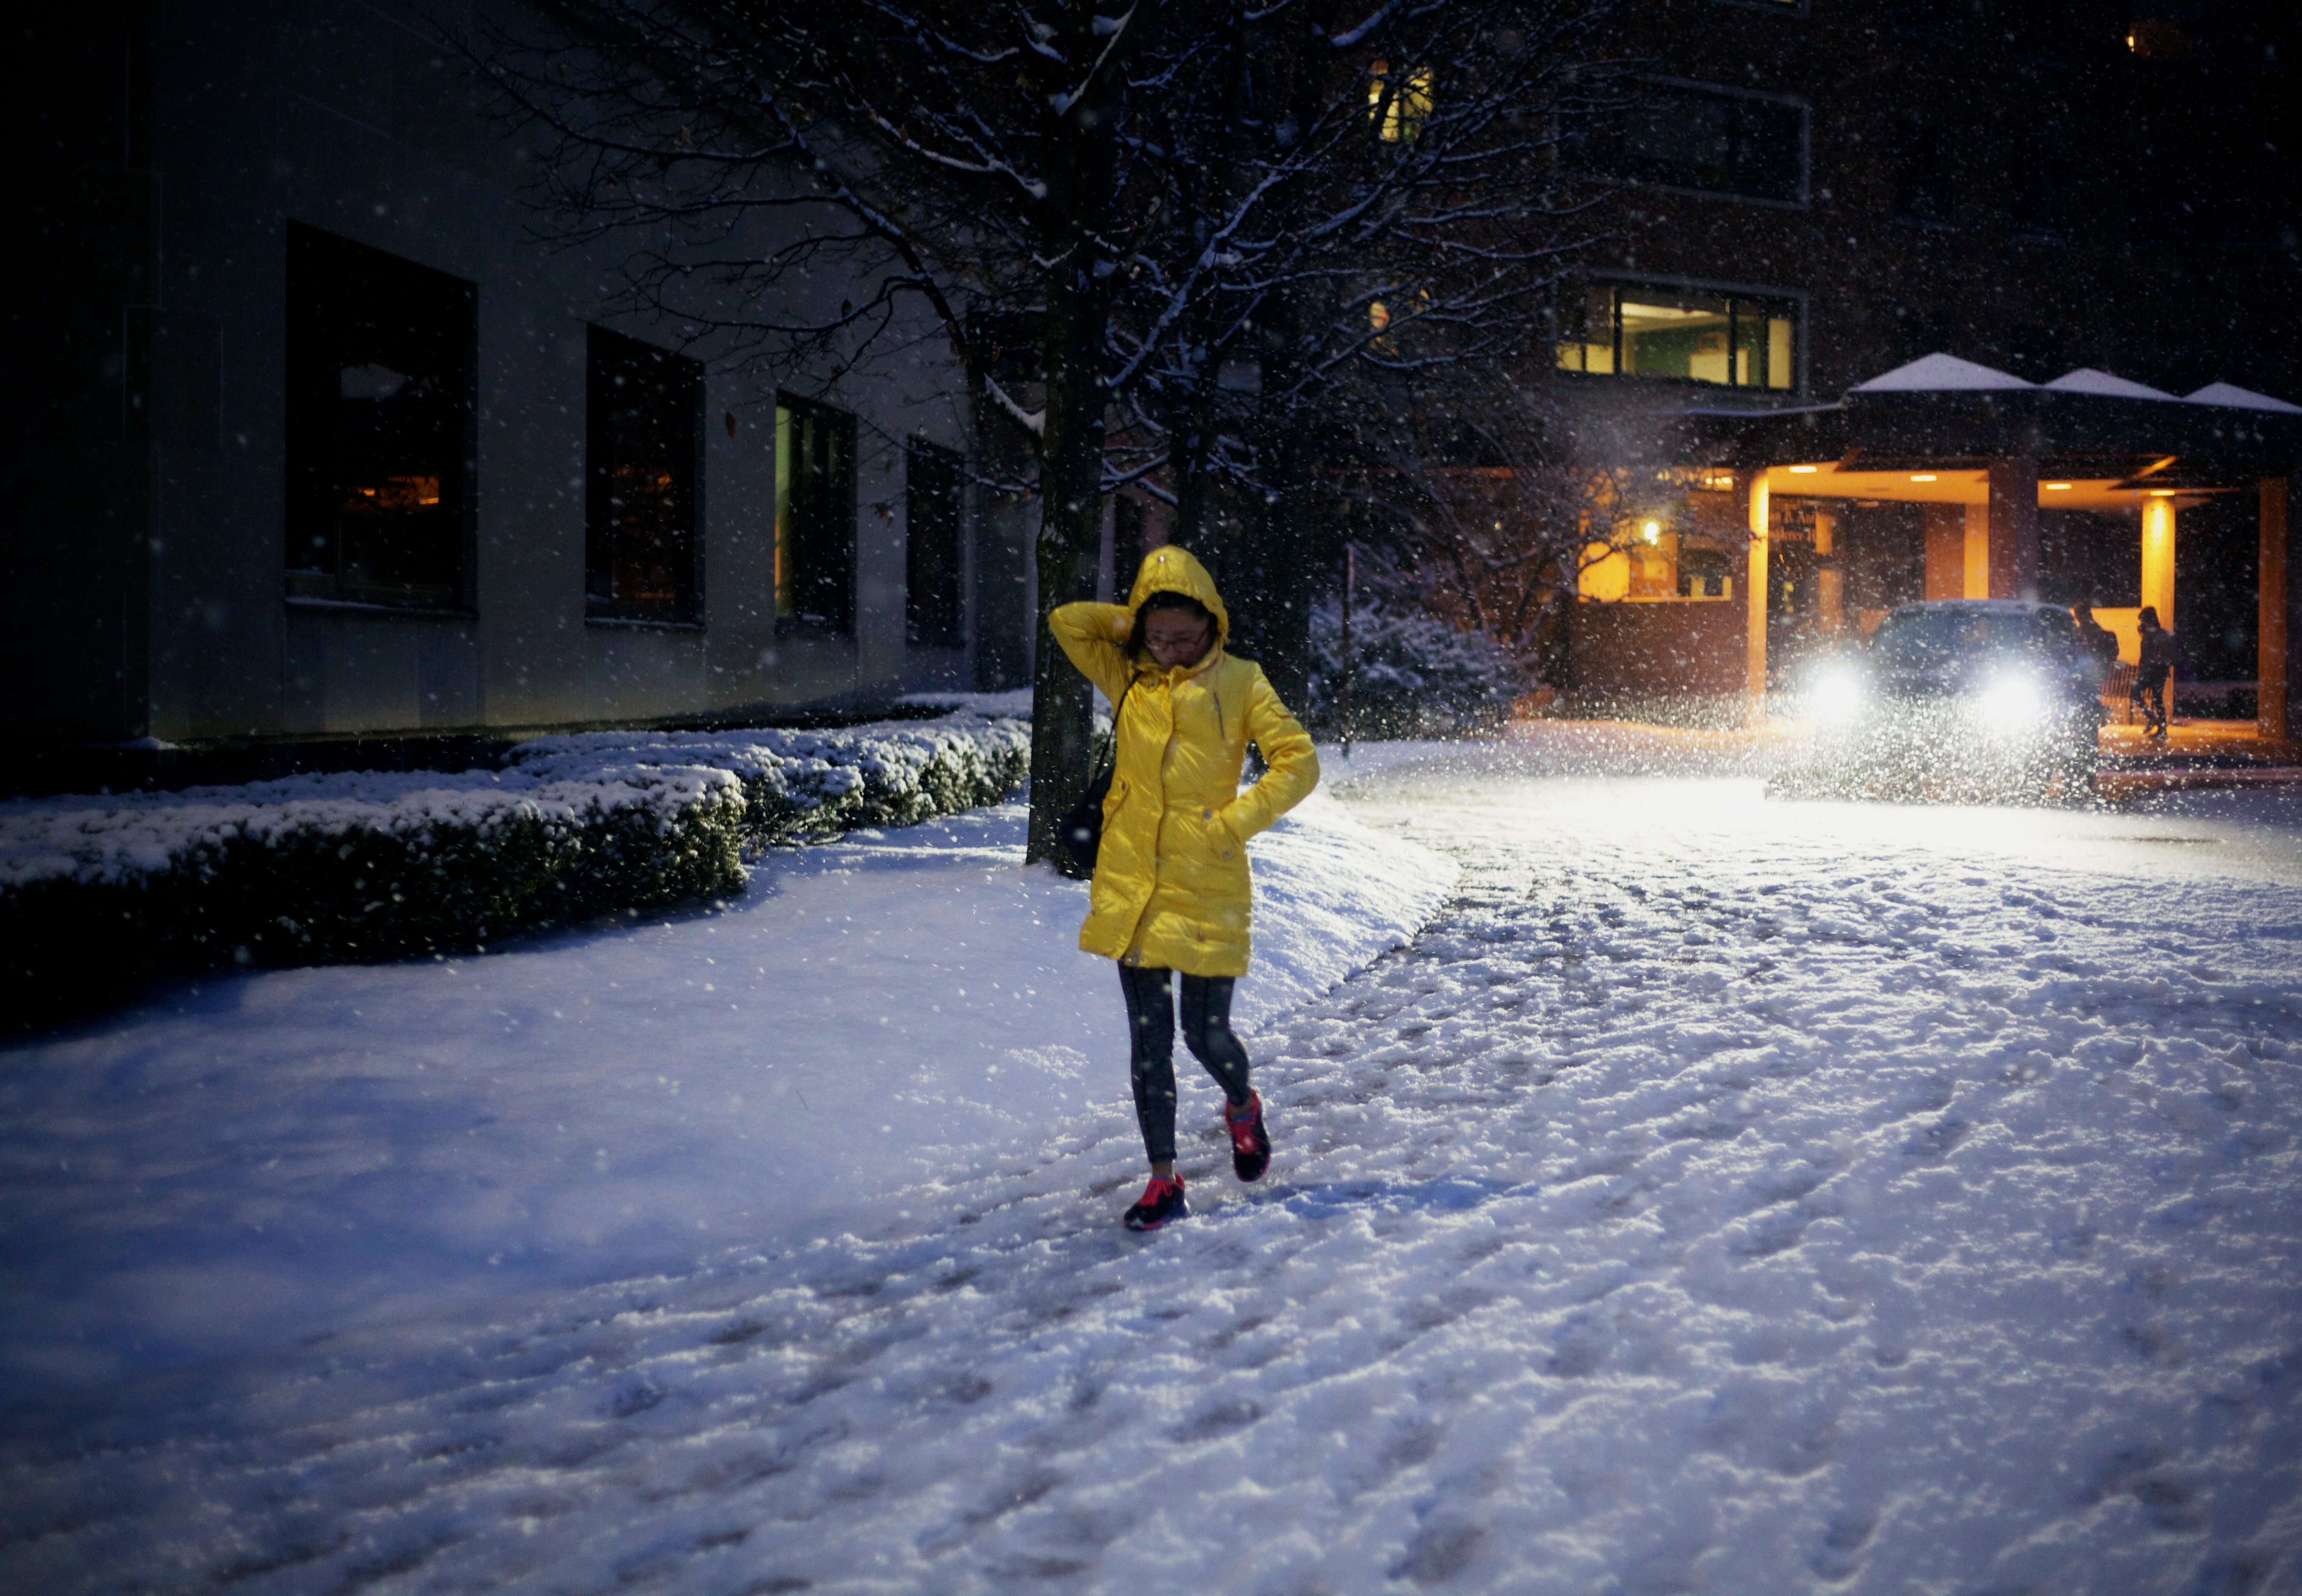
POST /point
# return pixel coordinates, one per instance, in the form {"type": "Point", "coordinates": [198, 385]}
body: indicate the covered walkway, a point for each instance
{"type": "Point", "coordinates": [1983, 451]}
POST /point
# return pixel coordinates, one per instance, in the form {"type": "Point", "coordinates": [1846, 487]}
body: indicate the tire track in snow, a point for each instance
{"type": "Point", "coordinates": [1693, 1209]}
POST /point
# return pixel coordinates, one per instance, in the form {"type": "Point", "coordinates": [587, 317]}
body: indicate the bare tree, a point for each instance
{"type": "Point", "coordinates": [955, 167]}
{"type": "Point", "coordinates": [1376, 208]}
{"type": "Point", "coordinates": [1207, 220]}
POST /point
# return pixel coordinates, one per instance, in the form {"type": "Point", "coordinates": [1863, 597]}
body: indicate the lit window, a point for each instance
{"type": "Point", "coordinates": [815, 518]}
{"type": "Point", "coordinates": [380, 413]}
{"type": "Point", "coordinates": [644, 406]}
{"type": "Point", "coordinates": [2165, 40]}
{"type": "Point", "coordinates": [1399, 108]}
{"type": "Point", "coordinates": [1378, 316]}
{"type": "Point", "coordinates": [1731, 340]}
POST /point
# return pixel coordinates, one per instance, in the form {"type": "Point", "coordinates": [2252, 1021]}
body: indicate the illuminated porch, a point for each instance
{"type": "Point", "coordinates": [1981, 453]}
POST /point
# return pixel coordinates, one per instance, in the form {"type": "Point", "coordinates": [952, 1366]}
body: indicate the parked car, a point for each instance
{"type": "Point", "coordinates": [1989, 699]}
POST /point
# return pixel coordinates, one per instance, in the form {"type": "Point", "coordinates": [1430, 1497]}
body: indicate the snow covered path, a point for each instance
{"type": "Point", "coordinates": [1723, 1197]}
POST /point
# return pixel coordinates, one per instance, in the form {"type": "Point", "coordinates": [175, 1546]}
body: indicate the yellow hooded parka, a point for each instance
{"type": "Point", "coordinates": [1171, 889]}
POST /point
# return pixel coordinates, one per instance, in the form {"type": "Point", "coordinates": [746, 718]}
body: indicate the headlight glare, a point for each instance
{"type": "Point", "coordinates": [1835, 695]}
{"type": "Point", "coordinates": [2011, 705]}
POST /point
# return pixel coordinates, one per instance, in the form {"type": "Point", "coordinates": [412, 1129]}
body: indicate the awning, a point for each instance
{"type": "Point", "coordinates": [1925, 432]}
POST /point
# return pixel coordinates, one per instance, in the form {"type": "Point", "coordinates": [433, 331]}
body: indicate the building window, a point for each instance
{"type": "Point", "coordinates": [815, 518]}
{"type": "Point", "coordinates": [1706, 140]}
{"type": "Point", "coordinates": [644, 438]}
{"type": "Point", "coordinates": [1735, 340]}
{"type": "Point", "coordinates": [1399, 107]}
{"type": "Point", "coordinates": [379, 427]}
{"type": "Point", "coordinates": [933, 576]}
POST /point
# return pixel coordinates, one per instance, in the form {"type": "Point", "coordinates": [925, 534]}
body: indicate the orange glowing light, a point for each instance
{"type": "Point", "coordinates": [2057, 487]}
{"type": "Point", "coordinates": [1804, 470]}
{"type": "Point", "coordinates": [1922, 476]}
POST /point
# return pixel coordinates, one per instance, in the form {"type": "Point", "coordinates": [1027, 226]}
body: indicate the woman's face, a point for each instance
{"type": "Point", "coordinates": [1175, 636]}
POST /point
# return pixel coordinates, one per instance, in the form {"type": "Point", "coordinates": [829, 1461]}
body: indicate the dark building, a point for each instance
{"type": "Point", "coordinates": [1816, 193]}
{"type": "Point", "coordinates": [317, 437]}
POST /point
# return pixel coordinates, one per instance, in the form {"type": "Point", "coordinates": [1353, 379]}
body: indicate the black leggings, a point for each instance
{"type": "Point", "coordinates": [1151, 1046]}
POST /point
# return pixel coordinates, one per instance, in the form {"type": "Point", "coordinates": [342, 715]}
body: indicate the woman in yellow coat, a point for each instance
{"type": "Point", "coordinates": [1171, 891]}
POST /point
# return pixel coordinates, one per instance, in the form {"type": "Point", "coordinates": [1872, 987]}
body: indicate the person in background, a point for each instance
{"type": "Point", "coordinates": [2100, 642]}
{"type": "Point", "coordinates": [2153, 672]}
{"type": "Point", "coordinates": [1171, 891]}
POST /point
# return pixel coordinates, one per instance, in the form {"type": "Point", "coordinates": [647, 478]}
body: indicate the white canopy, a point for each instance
{"type": "Point", "coordinates": [2240, 399]}
{"type": "Point", "coordinates": [1940, 373]}
{"type": "Point", "coordinates": [2087, 380]}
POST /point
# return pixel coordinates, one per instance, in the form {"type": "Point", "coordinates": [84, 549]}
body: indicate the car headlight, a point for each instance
{"type": "Point", "coordinates": [2011, 705]}
{"type": "Point", "coordinates": [1834, 695]}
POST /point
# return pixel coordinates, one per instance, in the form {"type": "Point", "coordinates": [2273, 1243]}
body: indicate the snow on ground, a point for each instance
{"type": "Point", "coordinates": [264, 1157]}
{"type": "Point", "coordinates": [1723, 1196]}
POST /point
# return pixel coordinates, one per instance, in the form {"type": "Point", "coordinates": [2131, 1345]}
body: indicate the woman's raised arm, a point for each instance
{"type": "Point", "coordinates": [1094, 637]}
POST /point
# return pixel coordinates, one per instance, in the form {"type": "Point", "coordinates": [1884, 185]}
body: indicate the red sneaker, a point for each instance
{"type": "Point", "coordinates": [1161, 1201]}
{"type": "Point", "coordinates": [1250, 1145]}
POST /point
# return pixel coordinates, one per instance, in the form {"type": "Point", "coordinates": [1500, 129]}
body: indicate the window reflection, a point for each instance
{"type": "Point", "coordinates": [379, 417]}
{"type": "Point", "coordinates": [640, 547]}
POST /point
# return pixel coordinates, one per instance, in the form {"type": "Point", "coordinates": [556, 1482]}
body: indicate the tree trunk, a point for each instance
{"type": "Point", "coordinates": [1076, 231]}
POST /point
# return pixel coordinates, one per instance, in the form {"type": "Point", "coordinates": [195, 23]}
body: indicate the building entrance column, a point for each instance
{"type": "Point", "coordinates": [1754, 600]}
{"type": "Point", "coordinates": [1829, 580]}
{"type": "Point", "coordinates": [2013, 528]}
{"type": "Point", "coordinates": [1974, 580]}
{"type": "Point", "coordinates": [2272, 662]}
{"type": "Point", "coordinates": [2158, 559]}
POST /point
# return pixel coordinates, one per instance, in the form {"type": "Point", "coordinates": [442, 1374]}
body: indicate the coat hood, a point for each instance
{"type": "Point", "coordinates": [1172, 570]}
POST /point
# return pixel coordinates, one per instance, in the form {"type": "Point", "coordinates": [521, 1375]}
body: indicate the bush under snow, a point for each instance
{"type": "Point", "coordinates": [105, 892]}
{"type": "Point", "coordinates": [1413, 676]}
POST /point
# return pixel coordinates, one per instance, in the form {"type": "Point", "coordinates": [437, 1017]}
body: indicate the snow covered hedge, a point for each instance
{"type": "Point", "coordinates": [1414, 676]}
{"type": "Point", "coordinates": [101, 893]}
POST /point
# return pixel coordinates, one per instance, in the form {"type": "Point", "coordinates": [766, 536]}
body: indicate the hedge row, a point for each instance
{"type": "Point", "coordinates": [101, 894]}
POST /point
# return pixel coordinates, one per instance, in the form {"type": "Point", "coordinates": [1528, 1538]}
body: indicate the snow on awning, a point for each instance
{"type": "Point", "coordinates": [2240, 399]}
{"type": "Point", "coordinates": [2087, 380]}
{"type": "Point", "coordinates": [1941, 373]}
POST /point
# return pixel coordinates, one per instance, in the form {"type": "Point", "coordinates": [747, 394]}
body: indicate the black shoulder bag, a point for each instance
{"type": "Point", "coordinates": [1080, 833]}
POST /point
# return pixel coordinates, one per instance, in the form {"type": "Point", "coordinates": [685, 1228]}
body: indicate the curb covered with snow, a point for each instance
{"type": "Point", "coordinates": [374, 865]}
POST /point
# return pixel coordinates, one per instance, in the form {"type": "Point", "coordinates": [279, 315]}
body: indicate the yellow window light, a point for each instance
{"type": "Point", "coordinates": [2058, 487]}
{"type": "Point", "coordinates": [1400, 108]}
{"type": "Point", "coordinates": [1378, 316]}
{"type": "Point", "coordinates": [1804, 470]}
{"type": "Point", "coordinates": [1922, 476]}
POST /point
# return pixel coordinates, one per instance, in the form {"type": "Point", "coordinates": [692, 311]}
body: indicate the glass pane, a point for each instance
{"type": "Point", "coordinates": [1675, 336]}
{"type": "Point", "coordinates": [1599, 331]}
{"type": "Point", "coordinates": [640, 546]}
{"type": "Point", "coordinates": [379, 355]}
{"type": "Point", "coordinates": [1769, 149]}
{"type": "Point", "coordinates": [784, 609]}
{"type": "Point", "coordinates": [815, 516]}
{"type": "Point", "coordinates": [1586, 333]}
{"type": "Point", "coordinates": [1781, 370]}
{"type": "Point", "coordinates": [1400, 107]}
{"type": "Point", "coordinates": [1683, 138]}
